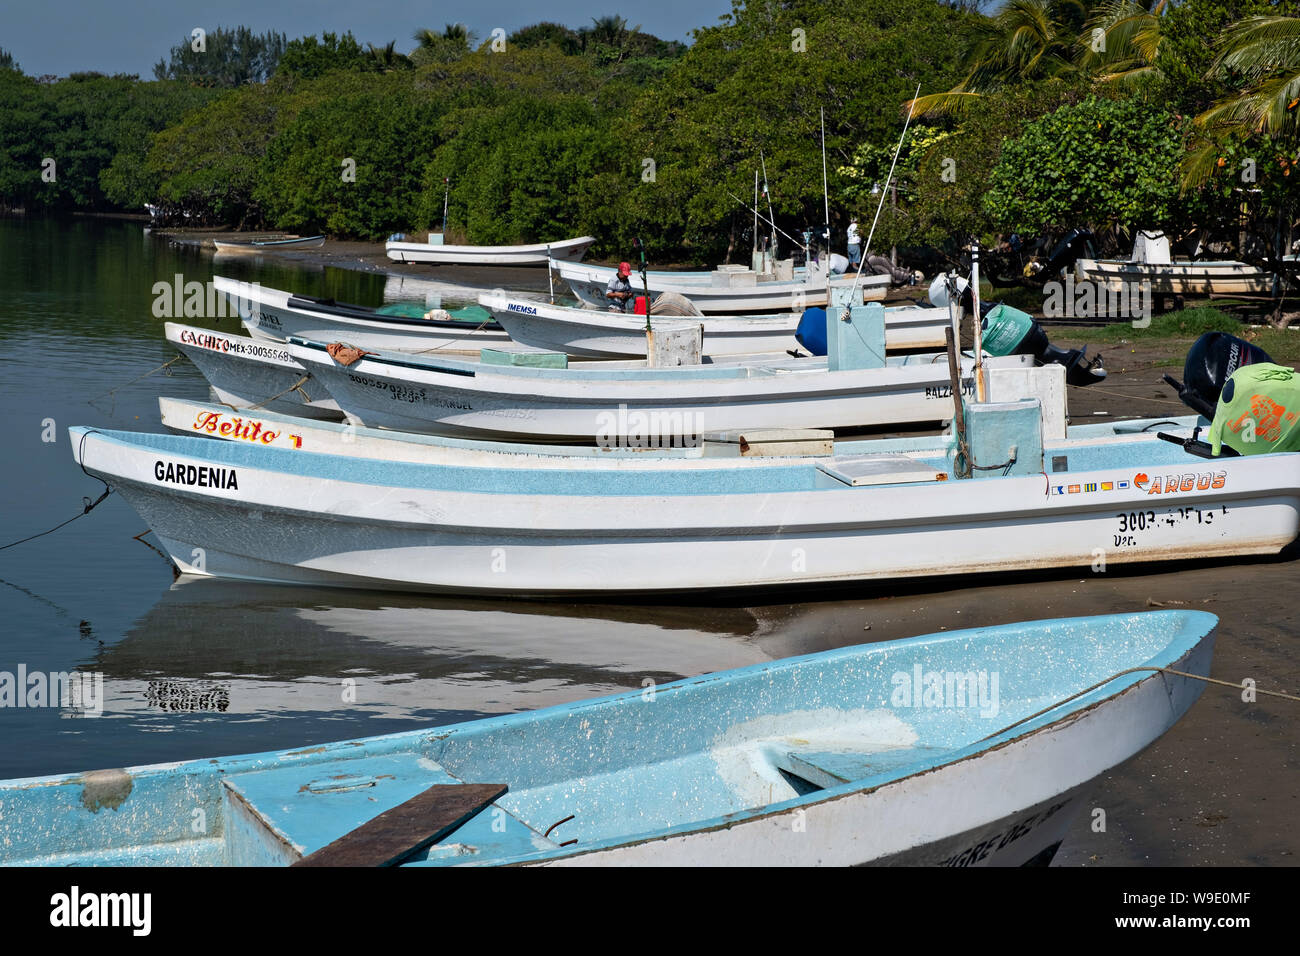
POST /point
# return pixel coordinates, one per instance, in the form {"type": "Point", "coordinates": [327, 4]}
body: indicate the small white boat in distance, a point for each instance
{"type": "Point", "coordinates": [437, 253]}
{"type": "Point", "coordinates": [829, 759]}
{"type": "Point", "coordinates": [1151, 262]}
{"type": "Point", "coordinates": [268, 244]}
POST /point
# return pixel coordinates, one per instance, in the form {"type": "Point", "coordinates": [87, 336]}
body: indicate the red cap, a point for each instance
{"type": "Point", "coordinates": [624, 269]}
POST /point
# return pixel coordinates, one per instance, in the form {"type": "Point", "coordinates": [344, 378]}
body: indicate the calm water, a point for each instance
{"type": "Point", "coordinates": [201, 668]}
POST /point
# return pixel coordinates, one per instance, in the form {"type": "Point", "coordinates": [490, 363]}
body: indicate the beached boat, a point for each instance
{"type": "Point", "coordinates": [968, 748]}
{"type": "Point", "coordinates": [728, 291]}
{"type": "Point", "coordinates": [598, 333]}
{"type": "Point", "coordinates": [275, 315]}
{"type": "Point", "coordinates": [245, 372]}
{"type": "Point", "coordinates": [536, 254]}
{"type": "Point", "coordinates": [1151, 262]}
{"type": "Point", "coordinates": [269, 244]}
{"type": "Point", "coordinates": [596, 402]}
{"type": "Point", "coordinates": [892, 509]}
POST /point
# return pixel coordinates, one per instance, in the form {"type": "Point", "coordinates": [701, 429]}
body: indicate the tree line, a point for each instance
{"type": "Point", "coordinates": [1035, 118]}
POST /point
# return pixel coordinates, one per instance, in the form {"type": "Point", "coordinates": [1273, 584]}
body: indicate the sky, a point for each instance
{"type": "Point", "coordinates": [129, 36]}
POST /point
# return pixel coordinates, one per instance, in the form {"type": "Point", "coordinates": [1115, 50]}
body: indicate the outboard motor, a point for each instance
{"type": "Point", "coordinates": [1008, 331]}
{"type": "Point", "coordinates": [1211, 361]}
{"type": "Point", "coordinates": [1258, 411]}
{"type": "Point", "coordinates": [1076, 245]}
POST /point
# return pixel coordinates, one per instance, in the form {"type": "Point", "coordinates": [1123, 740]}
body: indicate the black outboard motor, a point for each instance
{"type": "Point", "coordinates": [1210, 362]}
{"type": "Point", "coordinates": [1008, 331]}
{"type": "Point", "coordinates": [1076, 245]}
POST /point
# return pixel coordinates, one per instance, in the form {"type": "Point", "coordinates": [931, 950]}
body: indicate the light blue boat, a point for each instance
{"type": "Point", "coordinates": [974, 747]}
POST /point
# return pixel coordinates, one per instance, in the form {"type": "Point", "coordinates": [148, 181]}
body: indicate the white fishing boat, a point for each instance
{"type": "Point", "coordinates": [268, 243]}
{"type": "Point", "coordinates": [435, 252]}
{"type": "Point", "coordinates": [1152, 263]}
{"type": "Point", "coordinates": [893, 509]}
{"type": "Point", "coordinates": [275, 315]}
{"type": "Point", "coordinates": [729, 291]}
{"type": "Point", "coordinates": [848, 756]}
{"type": "Point", "coordinates": [609, 401]}
{"type": "Point", "coordinates": [244, 372]}
{"type": "Point", "coordinates": [599, 333]}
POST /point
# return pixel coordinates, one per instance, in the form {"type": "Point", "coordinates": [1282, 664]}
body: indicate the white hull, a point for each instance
{"type": "Point", "coordinates": [596, 405]}
{"type": "Point", "coordinates": [246, 372]}
{"type": "Point", "coordinates": [1177, 278]}
{"type": "Point", "coordinates": [1007, 806]}
{"type": "Point", "coordinates": [274, 315]}
{"type": "Point", "coordinates": [313, 519]}
{"type": "Point", "coordinates": [761, 296]}
{"type": "Point", "coordinates": [597, 333]}
{"type": "Point", "coordinates": [537, 254]}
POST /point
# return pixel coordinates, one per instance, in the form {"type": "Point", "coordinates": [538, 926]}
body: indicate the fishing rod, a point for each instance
{"type": "Point", "coordinates": [768, 196]}
{"type": "Point", "coordinates": [866, 250]}
{"type": "Point", "coordinates": [446, 194]}
{"type": "Point", "coordinates": [645, 281]}
{"type": "Point", "coordinates": [758, 215]}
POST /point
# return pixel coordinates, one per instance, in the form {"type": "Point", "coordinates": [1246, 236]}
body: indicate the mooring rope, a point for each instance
{"type": "Point", "coordinates": [481, 326]}
{"type": "Point", "coordinates": [91, 401]}
{"type": "Point", "coordinates": [87, 504]}
{"type": "Point", "coordinates": [295, 386]}
{"type": "Point", "coordinates": [1134, 670]}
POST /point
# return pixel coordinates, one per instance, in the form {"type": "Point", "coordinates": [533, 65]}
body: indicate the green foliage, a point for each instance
{"type": "Point", "coordinates": [544, 34]}
{"type": "Point", "coordinates": [7, 62]}
{"type": "Point", "coordinates": [229, 58]}
{"type": "Point", "coordinates": [384, 127]}
{"type": "Point", "coordinates": [309, 58]}
{"type": "Point", "coordinates": [528, 170]}
{"type": "Point", "coordinates": [1107, 163]}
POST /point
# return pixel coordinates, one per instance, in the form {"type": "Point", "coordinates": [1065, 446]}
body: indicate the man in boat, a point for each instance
{"type": "Point", "coordinates": [855, 245]}
{"type": "Point", "coordinates": [619, 291]}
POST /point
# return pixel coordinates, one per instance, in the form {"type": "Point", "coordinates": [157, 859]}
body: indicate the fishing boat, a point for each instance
{"type": "Point", "coordinates": [889, 509]}
{"type": "Point", "coordinates": [968, 748]}
{"type": "Point", "coordinates": [596, 402]}
{"type": "Point", "coordinates": [596, 333]}
{"type": "Point", "coordinates": [728, 291]}
{"type": "Point", "coordinates": [245, 372]}
{"type": "Point", "coordinates": [1152, 263]}
{"type": "Point", "coordinates": [275, 315]}
{"type": "Point", "coordinates": [269, 243]}
{"type": "Point", "coordinates": [435, 252]}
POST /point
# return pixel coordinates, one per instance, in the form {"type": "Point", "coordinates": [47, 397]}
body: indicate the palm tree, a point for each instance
{"type": "Point", "coordinates": [386, 57]}
{"type": "Point", "coordinates": [1265, 53]}
{"type": "Point", "coordinates": [1121, 41]}
{"type": "Point", "coordinates": [1026, 41]}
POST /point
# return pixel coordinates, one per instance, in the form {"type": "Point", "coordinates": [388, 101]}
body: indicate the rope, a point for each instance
{"type": "Point", "coordinates": [482, 325]}
{"type": "Point", "coordinates": [87, 504]}
{"type": "Point", "coordinates": [1108, 391]}
{"type": "Point", "coordinates": [1134, 670]}
{"type": "Point", "coordinates": [295, 386]}
{"type": "Point", "coordinates": [92, 401]}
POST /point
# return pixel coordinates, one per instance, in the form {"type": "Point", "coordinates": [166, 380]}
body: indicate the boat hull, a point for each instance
{"type": "Point", "coordinates": [247, 373]}
{"type": "Point", "coordinates": [1177, 278]}
{"type": "Point", "coordinates": [537, 254]}
{"type": "Point", "coordinates": [601, 334]}
{"type": "Point", "coordinates": [318, 519]}
{"type": "Point", "coordinates": [598, 406]}
{"type": "Point", "coordinates": [274, 315]}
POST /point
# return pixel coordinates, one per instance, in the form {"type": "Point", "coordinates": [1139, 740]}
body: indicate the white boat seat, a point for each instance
{"type": "Point", "coordinates": [828, 769]}
{"type": "Point", "coordinates": [859, 470]}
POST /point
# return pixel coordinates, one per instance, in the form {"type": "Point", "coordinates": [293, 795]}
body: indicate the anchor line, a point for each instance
{"type": "Point", "coordinates": [91, 401]}
{"type": "Point", "coordinates": [296, 386]}
{"type": "Point", "coordinates": [1134, 670]}
{"type": "Point", "coordinates": [87, 504]}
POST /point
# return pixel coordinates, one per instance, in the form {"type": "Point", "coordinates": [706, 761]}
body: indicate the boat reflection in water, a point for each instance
{"type": "Point", "coordinates": [300, 654]}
